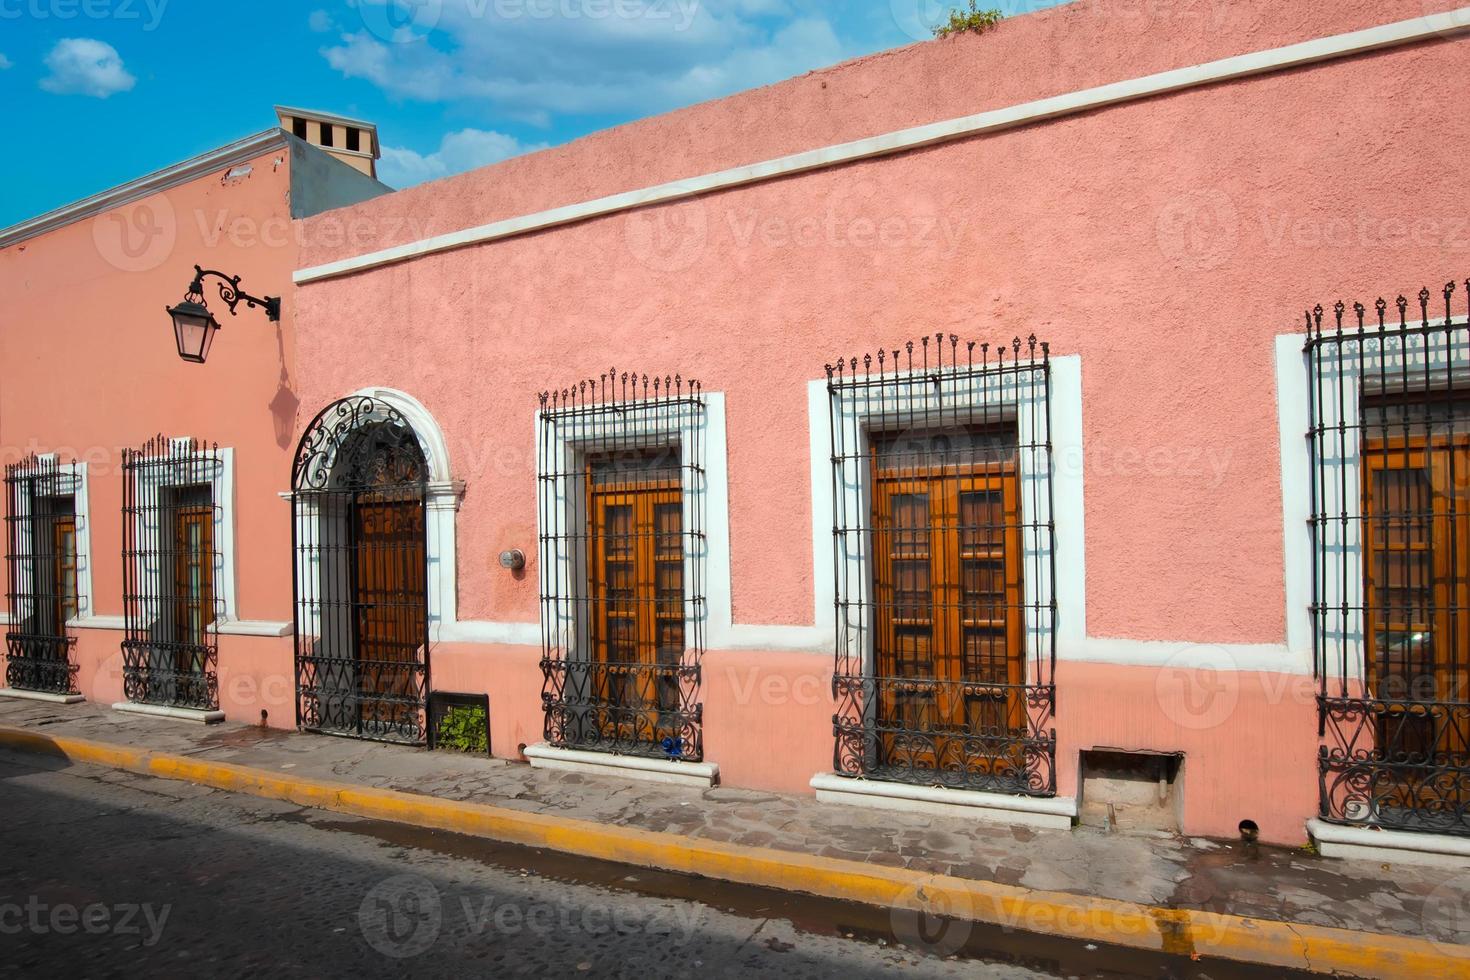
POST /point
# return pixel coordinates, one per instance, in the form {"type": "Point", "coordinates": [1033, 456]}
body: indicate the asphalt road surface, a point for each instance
{"type": "Point", "coordinates": [105, 873]}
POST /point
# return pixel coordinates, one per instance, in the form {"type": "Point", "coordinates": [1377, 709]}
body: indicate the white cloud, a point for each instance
{"type": "Point", "coordinates": [528, 60]}
{"type": "Point", "coordinates": [84, 66]}
{"type": "Point", "coordinates": [320, 21]}
{"type": "Point", "coordinates": [4, 62]}
{"type": "Point", "coordinates": [458, 152]}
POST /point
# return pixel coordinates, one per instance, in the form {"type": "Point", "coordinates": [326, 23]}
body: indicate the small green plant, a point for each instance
{"type": "Point", "coordinates": [463, 729]}
{"type": "Point", "coordinates": [975, 20]}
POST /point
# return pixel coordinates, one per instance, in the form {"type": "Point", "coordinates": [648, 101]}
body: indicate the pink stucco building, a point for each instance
{"type": "Point", "coordinates": [671, 448]}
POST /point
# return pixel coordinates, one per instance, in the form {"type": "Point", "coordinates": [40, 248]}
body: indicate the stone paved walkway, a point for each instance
{"type": "Point", "coordinates": [1159, 869]}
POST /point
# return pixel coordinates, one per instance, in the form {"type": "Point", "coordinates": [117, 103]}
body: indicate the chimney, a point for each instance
{"type": "Point", "coordinates": [352, 141]}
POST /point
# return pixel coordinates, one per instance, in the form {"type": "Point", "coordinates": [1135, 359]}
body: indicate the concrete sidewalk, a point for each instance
{"type": "Point", "coordinates": [1075, 871]}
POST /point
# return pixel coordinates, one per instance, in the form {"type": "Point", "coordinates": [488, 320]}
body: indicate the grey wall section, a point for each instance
{"type": "Point", "coordinates": [321, 182]}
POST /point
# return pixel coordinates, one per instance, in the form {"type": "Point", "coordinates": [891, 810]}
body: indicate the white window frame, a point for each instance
{"type": "Point", "coordinates": [1341, 554]}
{"type": "Point", "coordinates": [76, 473]}
{"type": "Point", "coordinates": [574, 432]}
{"type": "Point", "coordinates": [150, 480]}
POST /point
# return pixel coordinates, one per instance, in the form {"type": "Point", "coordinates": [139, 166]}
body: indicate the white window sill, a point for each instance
{"type": "Point", "coordinates": [702, 774]}
{"type": "Point", "coordinates": [1389, 846]}
{"type": "Point", "coordinates": [252, 627]}
{"type": "Point", "coordinates": [176, 714]}
{"type": "Point", "coordinates": [14, 692]}
{"type": "Point", "coordinates": [1052, 813]}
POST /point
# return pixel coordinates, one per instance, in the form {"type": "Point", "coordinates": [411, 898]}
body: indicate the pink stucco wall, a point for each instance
{"type": "Point", "coordinates": [90, 367]}
{"type": "Point", "coordinates": [1166, 241]}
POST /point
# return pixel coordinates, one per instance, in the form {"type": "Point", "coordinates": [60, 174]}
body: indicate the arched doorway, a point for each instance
{"type": "Point", "coordinates": [359, 485]}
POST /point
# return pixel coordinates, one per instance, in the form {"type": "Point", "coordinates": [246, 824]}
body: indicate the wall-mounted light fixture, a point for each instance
{"type": "Point", "coordinates": [195, 326]}
{"type": "Point", "coordinates": [514, 559]}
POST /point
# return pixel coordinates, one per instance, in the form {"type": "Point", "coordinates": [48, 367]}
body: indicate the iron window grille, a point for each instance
{"type": "Point", "coordinates": [621, 499]}
{"type": "Point", "coordinates": [360, 575]}
{"type": "Point", "coordinates": [1390, 528]}
{"type": "Point", "coordinates": [172, 570]}
{"type": "Point", "coordinates": [944, 554]}
{"type": "Point", "coordinates": [44, 561]}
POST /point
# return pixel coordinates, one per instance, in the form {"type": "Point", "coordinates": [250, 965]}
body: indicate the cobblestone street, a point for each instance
{"type": "Point", "coordinates": [112, 874]}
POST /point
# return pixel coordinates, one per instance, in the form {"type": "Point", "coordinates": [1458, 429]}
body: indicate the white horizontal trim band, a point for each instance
{"type": "Point", "coordinates": [154, 183]}
{"type": "Point", "coordinates": [1430, 27]}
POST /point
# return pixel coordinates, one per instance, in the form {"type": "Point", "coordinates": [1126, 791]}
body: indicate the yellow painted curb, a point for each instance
{"type": "Point", "coordinates": [1178, 931]}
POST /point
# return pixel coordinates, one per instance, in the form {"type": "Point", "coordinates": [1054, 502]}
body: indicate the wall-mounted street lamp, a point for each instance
{"type": "Point", "coordinates": [195, 326]}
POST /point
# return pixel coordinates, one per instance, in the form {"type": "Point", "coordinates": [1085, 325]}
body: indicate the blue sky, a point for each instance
{"type": "Point", "coordinates": [108, 90]}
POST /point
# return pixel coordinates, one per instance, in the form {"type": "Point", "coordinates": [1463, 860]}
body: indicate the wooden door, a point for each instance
{"type": "Point", "coordinates": [950, 625]}
{"type": "Point", "coordinates": [391, 579]}
{"type": "Point", "coordinates": [193, 593]}
{"type": "Point", "coordinates": [64, 572]}
{"type": "Point", "coordinates": [1417, 586]}
{"type": "Point", "coordinates": [637, 622]}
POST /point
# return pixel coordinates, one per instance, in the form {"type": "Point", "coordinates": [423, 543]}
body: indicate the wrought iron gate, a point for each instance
{"type": "Point", "coordinates": [171, 566]}
{"type": "Point", "coordinates": [44, 561]}
{"type": "Point", "coordinates": [359, 536]}
{"type": "Point", "coordinates": [1390, 447]}
{"type": "Point", "coordinates": [944, 564]}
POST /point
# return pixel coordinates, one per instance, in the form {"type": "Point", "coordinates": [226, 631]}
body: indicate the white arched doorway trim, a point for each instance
{"type": "Point", "coordinates": [441, 503]}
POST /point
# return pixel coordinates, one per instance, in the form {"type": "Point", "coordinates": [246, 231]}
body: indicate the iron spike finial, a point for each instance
{"type": "Point", "coordinates": [1360, 309]}
{"type": "Point", "coordinates": [1403, 304]}
{"type": "Point", "coordinates": [1424, 303]}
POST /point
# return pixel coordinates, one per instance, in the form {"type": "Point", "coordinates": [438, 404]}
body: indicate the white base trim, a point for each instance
{"type": "Point", "coordinates": [1389, 846]}
{"type": "Point", "coordinates": [703, 774]}
{"type": "Point", "coordinates": [1051, 813]}
{"type": "Point", "coordinates": [15, 692]}
{"type": "Point", "coordinates": [177, 714]}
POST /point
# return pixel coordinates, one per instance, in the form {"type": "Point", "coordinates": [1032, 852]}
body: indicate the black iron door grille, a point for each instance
{"type": "Point", "coordinates": [620, 471]}
{"type": "Point", "coordinates": [360, 539]}
{"type": "Point", "coordinates": [43, 561]}
{"type": "Point", "coordinates": [1390, 526]}
{"type": "Point", "coordinates": [171, 571]}
{"type": "Point", "coordinates": [944, 561]}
